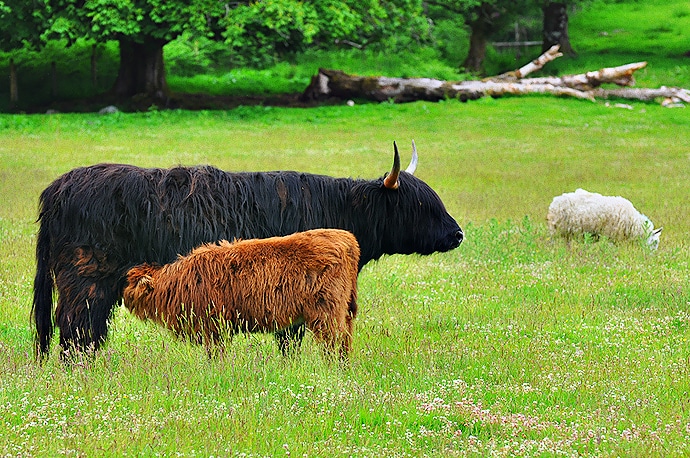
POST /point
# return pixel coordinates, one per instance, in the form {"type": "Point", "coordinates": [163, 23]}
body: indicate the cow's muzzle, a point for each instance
{"type": "Point", "coordinates": [451, 241]}
{"type": "Point", "coordinates": [460, 236]}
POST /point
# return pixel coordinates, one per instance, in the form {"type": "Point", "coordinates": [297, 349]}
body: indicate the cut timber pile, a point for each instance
{"type": "Point", "coordinates": [329, 84]}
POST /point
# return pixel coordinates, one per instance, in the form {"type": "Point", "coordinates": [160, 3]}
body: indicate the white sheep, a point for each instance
{"type": "Point", "coordinates": [581, 212]}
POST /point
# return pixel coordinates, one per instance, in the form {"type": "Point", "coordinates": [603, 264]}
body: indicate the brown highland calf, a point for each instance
{"type": "Point", "coordinates": [258, 285]}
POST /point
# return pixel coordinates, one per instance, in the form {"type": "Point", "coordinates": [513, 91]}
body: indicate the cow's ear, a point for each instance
{"type": "Point", "coordinates": [391, 180]}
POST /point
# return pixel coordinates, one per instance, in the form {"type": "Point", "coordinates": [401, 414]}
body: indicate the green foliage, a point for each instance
{"type": "Point", "coordinates": [136, 20]}
{"type": "Point", "coordinates": [191, 55]}
{"type": "Point", "coordinates": [262, 32]}
{"type": "Point", "coordinates": [21, 24]}
{"type": "Point", "coordinates": [73, 73]}
{"type": "Point", "coordinates": [451, 38]}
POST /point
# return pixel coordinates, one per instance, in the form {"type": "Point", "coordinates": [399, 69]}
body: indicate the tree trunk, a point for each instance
{"type": "Point", "coordinates": [537, 64]}
{"type": "Point", "coordinates": [141, 70]}
{"type": "Point", "coordinates": [53, 79]}
{"type": "Point", "coordinates": [14, 89]}
{"type": "Point", "coordinates": [479, 31]}
{"type": "Point", "coordinates": [555, 28]}
{"type": "Point", "coordinates": [474, 62]}
{"type": "Point", "coordinates": [94, 65]}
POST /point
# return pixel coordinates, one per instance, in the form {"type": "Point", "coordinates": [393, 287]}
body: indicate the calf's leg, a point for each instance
{"type": "Point", "coordinates": [334, 331]}
{"type": "Point", "coordinates": [290, 339]}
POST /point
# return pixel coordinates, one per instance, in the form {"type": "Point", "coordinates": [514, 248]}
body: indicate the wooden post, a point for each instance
{"type": "Point", "coordinates": [14, 90]}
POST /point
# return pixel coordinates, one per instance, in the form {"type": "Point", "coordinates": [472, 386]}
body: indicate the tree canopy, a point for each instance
{"type": "Point", "coordinates": [256, 31]}
{"type": "Point", "coordinates": [21, 24]}
{"type": "Point", "coordinates": [280, 27]}
{"type": "Point", "coordinates": [142, 28]}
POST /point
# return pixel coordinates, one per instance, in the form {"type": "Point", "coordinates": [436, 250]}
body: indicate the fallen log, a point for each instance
{"type": "Point", "coordinates": [621, 76]}
{"type": "Point", "coordinates": [335, 84]}
{"type": "Point", "coordinates": [674, 94]}
{"type": "Point", "coordinates": [329, 84]}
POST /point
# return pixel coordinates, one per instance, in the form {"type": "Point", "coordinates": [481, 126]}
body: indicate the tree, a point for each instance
{"type": "Point", "coordinates": [484, 19]}
{"type": "Point", "coordinates": [141, 27]}
{"type": "Point", "coordinates": [255, 28]}
{"type": "Point", "coordinates": [269, 29]}
{"type": "Point", "coordinates": [482, 24]}
{"type": "Point", "coordinates": [555, 29]}
{"type": "Point", "coordinates": [21, 25]}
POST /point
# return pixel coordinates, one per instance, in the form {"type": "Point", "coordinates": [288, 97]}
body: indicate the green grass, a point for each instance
{"type": "Point", "coordinates": [653, 28]}
{"type": "Point", "coordinates": [608, 34]}
{"type": "Point", "coordinates": [513, 344]}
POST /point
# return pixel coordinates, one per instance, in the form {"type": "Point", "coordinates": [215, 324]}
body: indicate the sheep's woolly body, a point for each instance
{"type": "Point", "coordinates": [582, 212]}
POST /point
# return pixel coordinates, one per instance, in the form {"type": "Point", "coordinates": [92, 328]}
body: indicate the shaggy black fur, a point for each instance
{"type": "Point", "coordinates": [96, 222]}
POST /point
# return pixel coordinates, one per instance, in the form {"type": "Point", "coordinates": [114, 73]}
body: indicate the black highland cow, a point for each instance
{"type": "Point", "coordinates": [98, 221]}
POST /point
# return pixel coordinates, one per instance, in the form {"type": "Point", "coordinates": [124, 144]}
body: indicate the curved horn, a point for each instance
{"type": "Point", "coordinates": [391, 180]}
{"type": "Point", "coordinates": [413, 162]}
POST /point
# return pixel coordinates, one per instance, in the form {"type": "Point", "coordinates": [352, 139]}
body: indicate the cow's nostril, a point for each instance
{"type": "Point", "coordinates": [460, 236]}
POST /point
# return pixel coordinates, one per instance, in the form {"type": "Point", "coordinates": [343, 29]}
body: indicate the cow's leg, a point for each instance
{"type": "Point", "coordinates": [346, 328]}
{"type": "Point", "coordinates": [343, 336]}
{"type": "Point", "coordinates": [87, 293]}
{"type": "Point", "coordinates": [215, 340]}
{"type": "Point", "coordinates": [334, 332]}
{"type": "Point", "coordinates": [290, 339]}
{"type": "Point", "coordinates": [82, 317]}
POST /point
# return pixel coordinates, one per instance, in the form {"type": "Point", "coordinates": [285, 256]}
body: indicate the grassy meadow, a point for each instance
{"type": "Point", "coordinates": [515, 344]}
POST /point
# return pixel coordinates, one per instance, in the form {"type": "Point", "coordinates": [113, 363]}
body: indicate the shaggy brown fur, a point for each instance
{"type": "Point", "coordinates": [259, 285]}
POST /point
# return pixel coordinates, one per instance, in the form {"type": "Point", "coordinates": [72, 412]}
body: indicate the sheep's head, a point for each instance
{"type": "Point", "coordinates": [654, 234]}
{"type": "Point", "coordinates": [653, 239]}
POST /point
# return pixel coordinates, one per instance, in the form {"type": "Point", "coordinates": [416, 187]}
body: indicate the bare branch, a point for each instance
{"type": "Point", "coordinates": [537, 64]}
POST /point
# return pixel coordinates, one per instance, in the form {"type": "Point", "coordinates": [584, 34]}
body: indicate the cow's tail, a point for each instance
{"type": "Point", "coordinates": [42, 310]}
